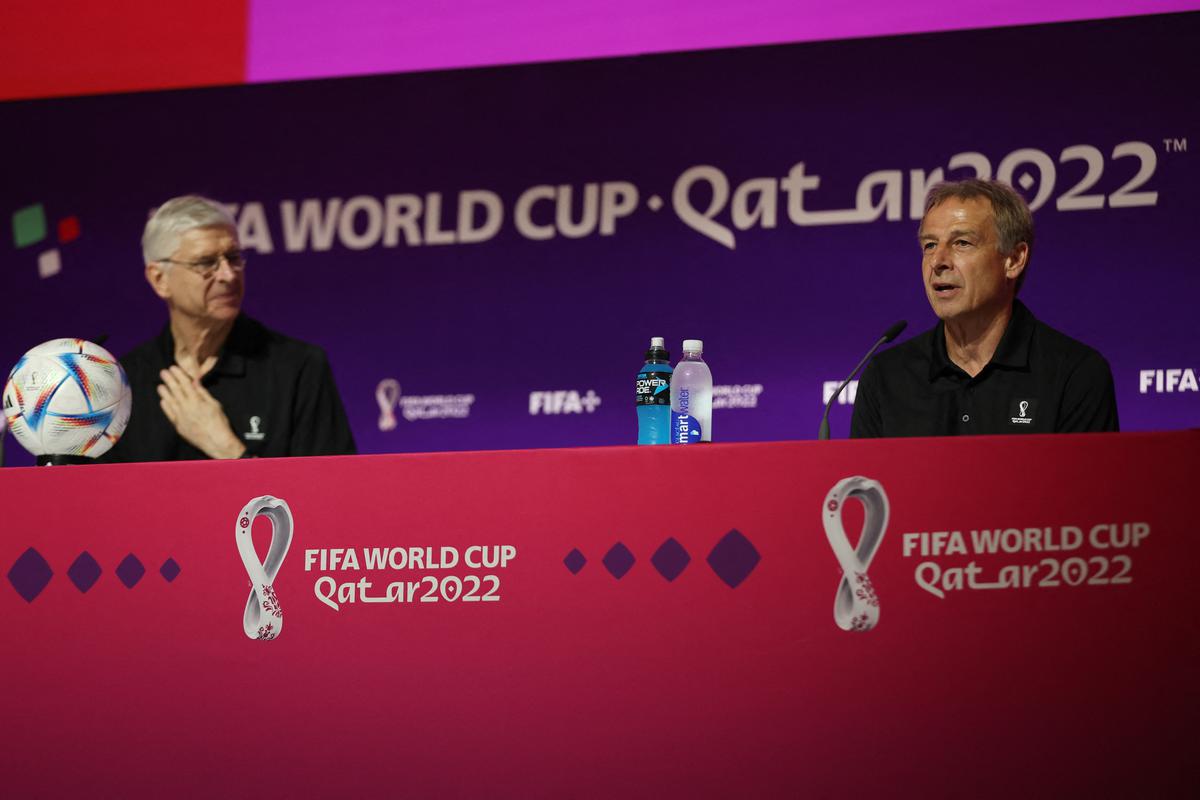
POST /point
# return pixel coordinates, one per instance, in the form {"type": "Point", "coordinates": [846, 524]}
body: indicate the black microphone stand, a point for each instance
{"type": "Point", "coordinates": [888, 335]}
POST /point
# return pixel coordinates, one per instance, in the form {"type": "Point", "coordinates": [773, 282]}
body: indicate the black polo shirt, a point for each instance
{"type": "Point", "coordinates": [277, 392]}
{"type": "Point", "coordinates": [1038, 381]}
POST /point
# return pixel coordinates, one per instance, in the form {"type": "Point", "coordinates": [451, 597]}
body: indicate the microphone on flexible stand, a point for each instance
{"type": "Point", "coordinates": [888, 335]}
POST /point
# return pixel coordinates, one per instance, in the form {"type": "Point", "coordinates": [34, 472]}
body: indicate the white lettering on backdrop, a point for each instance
{"type": "Point", "coordinates": [703, 198]}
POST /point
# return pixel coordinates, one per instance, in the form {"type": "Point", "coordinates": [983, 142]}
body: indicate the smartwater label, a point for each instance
{"type": "Point", "coordinates": [684, 429]}
{"type": "Point", "coordinates": [654, 389]}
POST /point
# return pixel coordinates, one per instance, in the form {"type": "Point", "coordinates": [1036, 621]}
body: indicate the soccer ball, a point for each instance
{"type": "Point", "coordinates": [67, 397]}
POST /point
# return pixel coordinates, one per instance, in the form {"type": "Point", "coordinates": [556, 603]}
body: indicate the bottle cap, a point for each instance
{"type": "Point", "coordinates": [658, 350]}
{"type": "Point", "coordinates": [693, 346]}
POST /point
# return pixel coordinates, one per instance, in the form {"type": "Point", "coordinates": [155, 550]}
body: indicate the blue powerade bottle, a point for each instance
{"type": "Point", "coordinates": [654, 395]}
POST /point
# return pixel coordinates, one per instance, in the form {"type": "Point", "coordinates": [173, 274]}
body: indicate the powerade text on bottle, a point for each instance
{"type": "Point", "coordinates": [691, 397]}
{"type": "Point", "coordinates": [654, 396]}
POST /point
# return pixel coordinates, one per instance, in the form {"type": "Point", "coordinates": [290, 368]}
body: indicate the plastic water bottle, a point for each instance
{"type": "Point", "coordinates": [654, 395]}
{"type": "Point", "coordinates": [691, 397]}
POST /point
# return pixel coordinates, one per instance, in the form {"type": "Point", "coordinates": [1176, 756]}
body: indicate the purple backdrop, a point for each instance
{"type": "Point", "coordinates": [808, 155]}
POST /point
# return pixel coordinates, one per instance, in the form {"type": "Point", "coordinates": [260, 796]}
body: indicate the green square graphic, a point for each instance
{"type": "Point", "coordinates": [29, 225]}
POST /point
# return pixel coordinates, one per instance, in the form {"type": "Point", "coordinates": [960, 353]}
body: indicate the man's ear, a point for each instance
{"type": "Point", "coordinates": [1014, 262]}
{"type": "Point", "coordinates": [156, 276]}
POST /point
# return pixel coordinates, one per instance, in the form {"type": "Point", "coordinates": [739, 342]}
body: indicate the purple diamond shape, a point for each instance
{"type": "Point", "coordinates": [575, 561]}
{"type": "Point", "coordinates": [30, 574]}
{"type": "Point", "coordinates": [618, 560]}
{"type": "Point", "coordinates": [733, 559]}
{"type": "Point", "coordinates": [169, 570]}
{"type": "Point", "coordinates": [84, 571]}
{"type": "Point", "coordinates": [130, 571]}
{"type": "Point", "coordinates": [670, 559]}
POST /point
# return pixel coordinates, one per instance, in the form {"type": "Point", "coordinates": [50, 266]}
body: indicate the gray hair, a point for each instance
{"type": "Point", "coordinates": [176, 217]}
{"type": "Point", "coordinates": [1014, 221]}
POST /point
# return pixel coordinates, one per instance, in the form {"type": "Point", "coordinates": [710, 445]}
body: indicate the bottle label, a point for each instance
{"type": "Point", "coordinates": [685, 429]}
{"type": "Point", "coordinates": [654, 389]}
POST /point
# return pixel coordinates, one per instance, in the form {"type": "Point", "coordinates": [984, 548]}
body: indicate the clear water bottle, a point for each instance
{"type": "Point", "coordinates": [654, 395]}
{"type": "Point", "coordinates": [691, 397]}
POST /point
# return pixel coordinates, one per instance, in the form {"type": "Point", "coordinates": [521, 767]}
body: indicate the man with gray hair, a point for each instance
{"type": "Point", "coordinates": [988, 366]}
{"type": "Point", "coordinates": [215, 383]}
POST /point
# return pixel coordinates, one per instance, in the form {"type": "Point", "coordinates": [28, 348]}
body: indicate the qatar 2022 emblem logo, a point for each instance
{"type": "Point", "coordinates": [856, 605]}
{"type": "Point", "coordinates": [263, 618]}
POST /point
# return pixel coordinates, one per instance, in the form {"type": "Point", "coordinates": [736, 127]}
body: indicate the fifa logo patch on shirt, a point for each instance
{"type": "Point", "coordinates": [1021, 412]}
{"type": "Point", "coordinates": [254, 434]}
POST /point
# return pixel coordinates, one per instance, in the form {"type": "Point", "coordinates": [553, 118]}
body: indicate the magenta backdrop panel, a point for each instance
{"type": "Point", "coordinates": [291, 40]}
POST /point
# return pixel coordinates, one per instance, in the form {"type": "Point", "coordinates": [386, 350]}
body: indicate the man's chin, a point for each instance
{"type": "Point", "coordinates": [224, 313]}
{"type": "Point", "coordinates": [943, 310]}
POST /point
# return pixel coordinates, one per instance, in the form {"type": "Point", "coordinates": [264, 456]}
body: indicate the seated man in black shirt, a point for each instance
{"type": "Point", "coordinates": [215, 383]}
{"type": "Point", "coordinates": [988, 366]}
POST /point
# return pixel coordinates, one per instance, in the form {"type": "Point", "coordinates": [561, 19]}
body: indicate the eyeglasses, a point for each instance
{"type": "Point", "coordinates": [205, 267]}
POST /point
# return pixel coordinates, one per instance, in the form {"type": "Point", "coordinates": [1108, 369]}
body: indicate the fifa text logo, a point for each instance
{"type": "Point", "coordinates": [563, 402]}
{"type": "Point", "coordinates": [1167, 380]}
{"type": "Point", "coordinates": [845, 398]}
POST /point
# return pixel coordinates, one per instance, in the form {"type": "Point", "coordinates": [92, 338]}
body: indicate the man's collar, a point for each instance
{"type": "Point", "coordinates": [939, 359]}
{"type": "Point", "coordinates": [232, 359]}
{"type": "Point", "coordinates": [1012, 352]}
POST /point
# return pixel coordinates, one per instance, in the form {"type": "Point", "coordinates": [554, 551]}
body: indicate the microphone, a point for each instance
{"type": "Point", "coordinates": [888, 335]}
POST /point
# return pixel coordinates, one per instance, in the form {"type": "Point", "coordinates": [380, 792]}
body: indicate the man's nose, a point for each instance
{"type": "Point", "coordinates": [940, 258]}
{"type": "Point", "coordinates": [225, 272]}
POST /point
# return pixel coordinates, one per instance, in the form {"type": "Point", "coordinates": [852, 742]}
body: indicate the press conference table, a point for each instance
{"type": "Point", "coordinates": [647, 622]}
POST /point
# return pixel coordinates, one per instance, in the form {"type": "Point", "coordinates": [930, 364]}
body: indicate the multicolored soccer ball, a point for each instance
{"type": "Point", "coordinates": [67, 397]}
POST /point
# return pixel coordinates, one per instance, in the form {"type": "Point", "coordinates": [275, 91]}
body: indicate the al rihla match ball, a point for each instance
{"type": "Point", "coordinates": [67, 397]}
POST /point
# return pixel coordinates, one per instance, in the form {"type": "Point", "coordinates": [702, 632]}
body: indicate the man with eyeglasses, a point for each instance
{"type": "Point", "coordinates": [215, 383]}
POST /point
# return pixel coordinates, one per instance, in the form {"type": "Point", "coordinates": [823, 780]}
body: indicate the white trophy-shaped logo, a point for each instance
{"type": "Point", "coordinates": [1024, 407]}
{"type": "Point", "coordinates": [856, 606]}
{"type": "Point", "coordinates": [387, 394]}
{"type": "Point", "coordinates": [263, 618]}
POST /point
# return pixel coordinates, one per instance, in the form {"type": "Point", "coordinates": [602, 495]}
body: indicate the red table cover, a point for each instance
{"type": "Point", "coordinates": [642, 622]}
